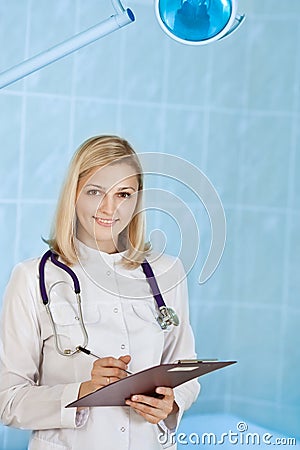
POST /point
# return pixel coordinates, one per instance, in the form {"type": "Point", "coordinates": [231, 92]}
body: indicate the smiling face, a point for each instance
{"type": "Point", "coordinates": [106, 201]}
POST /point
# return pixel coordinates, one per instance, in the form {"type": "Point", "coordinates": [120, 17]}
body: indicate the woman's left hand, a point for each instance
{"type": "Point", "coordinates": [154, 409]}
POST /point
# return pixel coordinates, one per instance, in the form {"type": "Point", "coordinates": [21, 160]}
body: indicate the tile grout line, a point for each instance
{"type": "Point", "coordinates": [72, 97]}
{"type": "Point", "coordinates": [207, 112]}
{"type": "Point", "coordinates": [164, 95]}
{"type": "Point", "coordinates": [287, 237]}
{"type": "Point", "coordinates": [157, 104]}
{"type": "Point", "coordinates": [236, 267]}
{"type": "Point", "coordinates": [119, 115]}
{"type": "Point", "coordinates": [163, 116]}
{"type": "Point", "coordinates": [22, 141]}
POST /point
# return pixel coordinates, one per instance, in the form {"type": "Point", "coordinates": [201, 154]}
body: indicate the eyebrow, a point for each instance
{"type": "Point", "coordinates": [123, 188]}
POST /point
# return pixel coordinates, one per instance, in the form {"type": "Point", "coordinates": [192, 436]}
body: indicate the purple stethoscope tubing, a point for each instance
{"type": "Point", "coordinates": [147, 269]}
{"type": "Point", "coordinates": [167, 315]}
{"type": "Point", "coordinates": [53, 256]}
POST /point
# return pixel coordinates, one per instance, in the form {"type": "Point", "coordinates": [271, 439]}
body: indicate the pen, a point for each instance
{"type": "Point", "coordinates": [88, 352]}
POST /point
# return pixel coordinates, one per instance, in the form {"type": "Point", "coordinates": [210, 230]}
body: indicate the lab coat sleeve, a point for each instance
{"type": "Point", "coordinates": [180, 344]}
{"type": "Point", "coordinates": [23, 402]}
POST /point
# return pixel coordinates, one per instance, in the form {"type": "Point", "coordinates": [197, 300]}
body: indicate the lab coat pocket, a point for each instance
{"type": "Point", "coordinates": [69, 315]}
{"type": "Point", "coordinates": [68, 324]}
{"type": "Point", "coordinates": [148, 313]}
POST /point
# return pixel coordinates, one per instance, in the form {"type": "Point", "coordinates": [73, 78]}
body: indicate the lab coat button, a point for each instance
{"type": "Point", "coordinates": [116, 310]}
{"type": "Point", "coordinates": [123, 346]}
{"type": "Point", "coordinates": [123, 429]}
{"type": "Point", "coordinates": [108, 273]}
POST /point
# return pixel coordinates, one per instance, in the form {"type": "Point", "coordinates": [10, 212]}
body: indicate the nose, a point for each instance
{"type": "Point", "coordinates": [107, 205]}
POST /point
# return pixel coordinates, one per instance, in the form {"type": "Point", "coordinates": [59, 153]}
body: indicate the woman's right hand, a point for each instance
{"type": "Point", "coordinates": [105, 371]}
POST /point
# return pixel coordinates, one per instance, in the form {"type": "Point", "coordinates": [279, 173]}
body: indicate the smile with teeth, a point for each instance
{"type": "Point", "coordinates": [105, 222]}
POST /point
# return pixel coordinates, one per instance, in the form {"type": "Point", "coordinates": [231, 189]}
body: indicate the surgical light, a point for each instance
{"type": "Point", "coordinates": [198, 22]}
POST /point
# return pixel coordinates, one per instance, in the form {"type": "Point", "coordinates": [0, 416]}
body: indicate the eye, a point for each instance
{"type": "Point", "coordinates": [93, 192]}
{"type": "Point", "coordinates": [124, 194]}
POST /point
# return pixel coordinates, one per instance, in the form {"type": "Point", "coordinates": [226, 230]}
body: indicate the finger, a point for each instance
{"type": "Point", "coordinates": [102, 376]}
{"type": "Point", "coordinates": [110, 361]}
{"type": "Point", "coordinates": [147, 400]}
{"type": "Point", "coordinates": [151, 414]}
{"type": "Point", "coordinates": [110, 371]}
{"type": "Point", "coordinates": [145, 407]}
{"type": "Point", "coordinates": [165, 391]}
{"type": "Point", "coordinates": [102, 381]}
{"type": "Point", "coordinates": [105, 372]}
{"type": "Point", "coordinates": [165, 405]}
{"type": "Point", "coordinates": [149, 417]}
{"type": "Point", "coordinates": [125, 358]}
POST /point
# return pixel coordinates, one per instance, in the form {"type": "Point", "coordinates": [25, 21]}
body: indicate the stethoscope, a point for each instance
{"type": "Point", "coordinates": [166, 317]}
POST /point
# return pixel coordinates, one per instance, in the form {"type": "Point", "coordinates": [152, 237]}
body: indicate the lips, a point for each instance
{"type": "Point", "coordinates": [105, 222]}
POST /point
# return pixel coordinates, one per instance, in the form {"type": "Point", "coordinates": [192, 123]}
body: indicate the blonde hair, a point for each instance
{"type": "Point", "coordinates": [95, 152]}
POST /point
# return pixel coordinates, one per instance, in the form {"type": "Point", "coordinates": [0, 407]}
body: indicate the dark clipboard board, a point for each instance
{"type": "Point", "coordinates": [146, 381]}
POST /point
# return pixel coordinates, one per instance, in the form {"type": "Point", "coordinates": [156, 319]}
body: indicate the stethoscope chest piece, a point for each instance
{"type": "Point", "coordinates": [167, 317]}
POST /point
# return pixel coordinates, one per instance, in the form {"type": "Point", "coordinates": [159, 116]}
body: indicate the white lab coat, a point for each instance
{"type": "Point", "coordinates": [120, 316]}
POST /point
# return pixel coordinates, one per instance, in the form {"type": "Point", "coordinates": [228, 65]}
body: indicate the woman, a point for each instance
{"type": "Point", "coordinates": [99, 232]}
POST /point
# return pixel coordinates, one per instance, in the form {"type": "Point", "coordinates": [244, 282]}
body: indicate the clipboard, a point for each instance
{"type": "Point", "coordinates": [146, 381]}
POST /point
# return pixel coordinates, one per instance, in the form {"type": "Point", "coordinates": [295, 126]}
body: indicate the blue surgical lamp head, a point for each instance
{"type": "Point", "coordinates": [198, 22]}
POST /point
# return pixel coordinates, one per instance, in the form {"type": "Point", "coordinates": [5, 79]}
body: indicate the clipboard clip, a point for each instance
{"type": "Point", "coordinates": [196, 361]}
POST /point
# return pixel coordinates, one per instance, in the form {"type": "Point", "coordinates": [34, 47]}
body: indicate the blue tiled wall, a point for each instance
{"type": "Point", "coordinates": [232, 109]}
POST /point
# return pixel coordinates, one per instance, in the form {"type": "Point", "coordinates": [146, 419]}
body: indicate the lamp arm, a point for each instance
{"type": "Point", "coordinates": [117, 5]}
{"type": "Point", "coordinates": [239, 19]}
